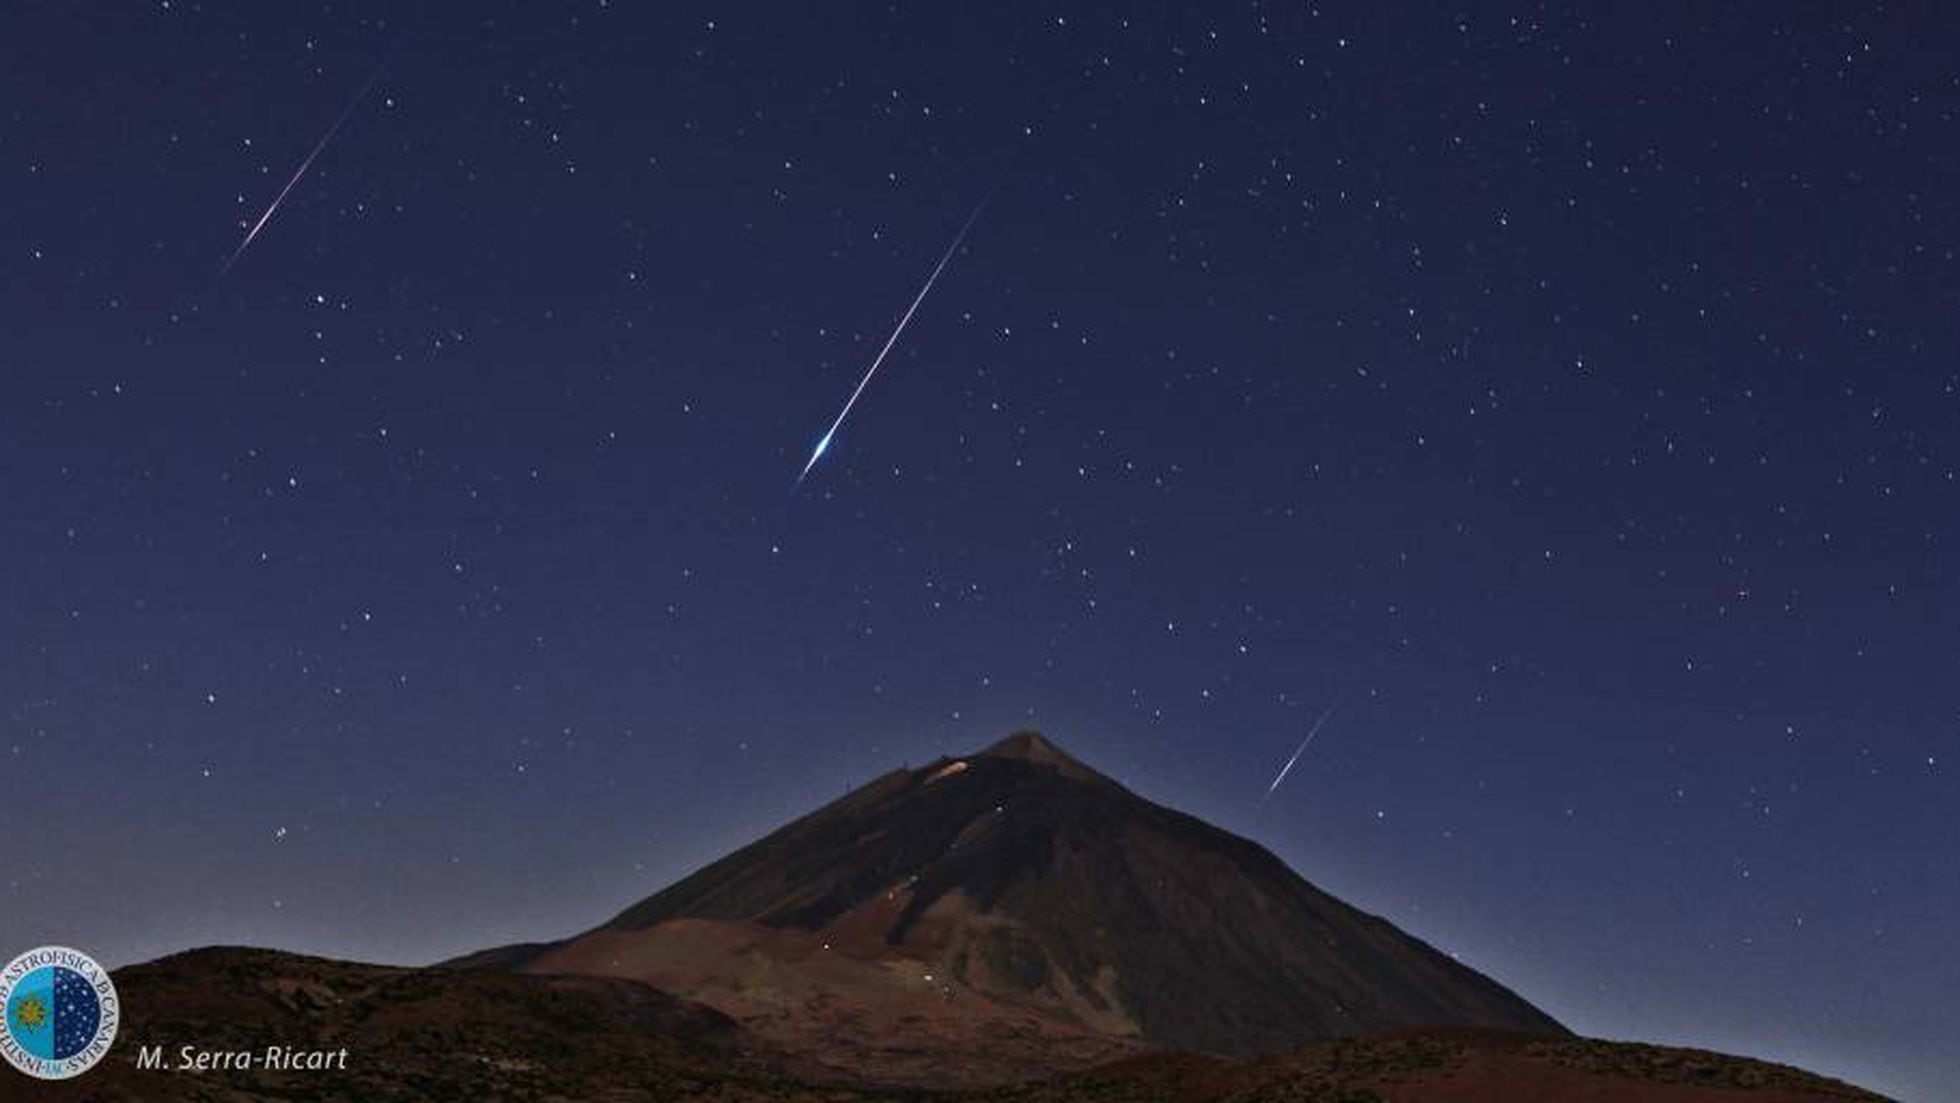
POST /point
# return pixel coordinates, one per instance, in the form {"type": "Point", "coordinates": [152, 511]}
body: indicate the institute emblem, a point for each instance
{"type": "Point", "coordinates": [61, 1012]}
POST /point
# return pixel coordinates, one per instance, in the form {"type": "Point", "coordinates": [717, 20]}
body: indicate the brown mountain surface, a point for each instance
{"type": "Point", "coordinates": [439, 1034]}
{"type": "Point", "coordinates": [1446, 1066]}
{"type": "Point", "coordinates": [1015, 912]}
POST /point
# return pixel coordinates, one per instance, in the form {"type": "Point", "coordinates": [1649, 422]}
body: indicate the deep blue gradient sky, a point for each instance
{"type": "Point", "coordinates": [1573, 394]}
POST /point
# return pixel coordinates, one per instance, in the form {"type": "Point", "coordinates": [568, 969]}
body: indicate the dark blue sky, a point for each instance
{"type": "Point", "coordinates": [1575, 394]}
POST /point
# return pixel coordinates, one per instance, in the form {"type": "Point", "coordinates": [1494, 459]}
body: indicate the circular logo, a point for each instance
{"type": "Point", "coordinates": [61, 1012]}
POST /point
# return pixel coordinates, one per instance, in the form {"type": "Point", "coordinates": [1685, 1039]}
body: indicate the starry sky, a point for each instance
{"type": "Point", "coordinates": [1570, 392]}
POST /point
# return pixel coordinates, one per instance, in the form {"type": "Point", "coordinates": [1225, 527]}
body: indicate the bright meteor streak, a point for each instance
{"type": "Point", "coordinates": [1298, 751]}
{"type": "Point", "coordinates": [823, 444]}
{"type": "Point", "coordinates": [303, 166]}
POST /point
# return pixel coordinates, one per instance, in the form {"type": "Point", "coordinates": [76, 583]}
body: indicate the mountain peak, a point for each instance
{"type": "Point", "coordinates": [1026, 911]}
{"type": "Point", "coordinates": [1032, 746]}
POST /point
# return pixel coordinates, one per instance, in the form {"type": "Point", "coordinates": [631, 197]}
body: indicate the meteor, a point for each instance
{"type": "Point", "coordinates": [304, 165]}
{"type": "Point", "coordinates": [1298, 751]}
{"type": "Point", "coordinates": [823, 444]}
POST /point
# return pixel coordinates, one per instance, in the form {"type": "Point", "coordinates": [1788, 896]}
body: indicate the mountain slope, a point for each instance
{"type": "Point", "coordinates": [1020, 909]}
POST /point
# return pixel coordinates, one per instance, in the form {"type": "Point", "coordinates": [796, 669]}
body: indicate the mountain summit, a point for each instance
{"type": "Point", "coordinates": [1013, 912]}
{"type": "Point", "coordinates": [1032, 746]}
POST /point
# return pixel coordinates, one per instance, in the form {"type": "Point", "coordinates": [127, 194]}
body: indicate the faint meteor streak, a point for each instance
{"type": "Point", "coordinates": [1298, 751]}
{"type": "Point", "coordinates": [824, 444]}
{"type": "Point", "coordinates": [366, 87]}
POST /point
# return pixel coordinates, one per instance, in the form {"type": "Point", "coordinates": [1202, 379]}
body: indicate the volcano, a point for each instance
{"type": "Point", "coordinates": [1015, 913]}
{"type": "Point", "coordinates": [1006, 927]}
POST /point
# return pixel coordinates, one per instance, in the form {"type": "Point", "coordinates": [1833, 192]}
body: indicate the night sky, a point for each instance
{"type": "Point", "coordinates": [1572, 394]}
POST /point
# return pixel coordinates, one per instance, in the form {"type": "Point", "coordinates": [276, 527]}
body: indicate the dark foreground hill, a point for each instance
{"type": "Point", "coordinates": [436, 1034]}
{"type": "Point", "coordinates": [1012, 913]}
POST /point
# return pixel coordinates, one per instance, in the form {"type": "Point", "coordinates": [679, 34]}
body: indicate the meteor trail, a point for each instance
{"type": "Point", "coordinates": [306, 164]}
{"type": "Point", "coordinates": [1298, 751]}
{"type": "Point", "coordinates": [824, 443]}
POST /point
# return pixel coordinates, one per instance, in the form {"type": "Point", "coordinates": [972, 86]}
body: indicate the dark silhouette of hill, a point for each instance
{"type": "Point", "coordinates": [440, 1034]}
